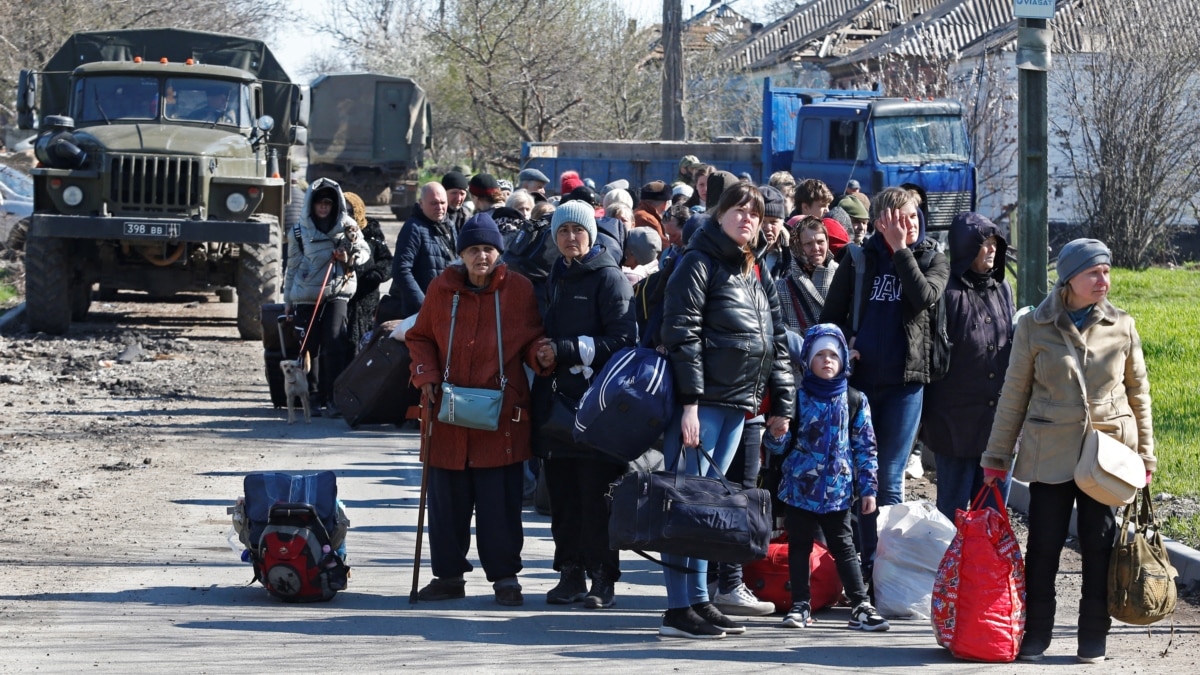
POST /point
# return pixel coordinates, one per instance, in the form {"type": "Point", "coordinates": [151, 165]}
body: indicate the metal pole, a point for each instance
{"type": "Point", "coordinates": [1033, 62]}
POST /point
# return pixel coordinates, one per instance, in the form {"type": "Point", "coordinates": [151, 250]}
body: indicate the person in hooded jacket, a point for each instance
{"type": "Point", "coordinates": [589, 317]}
{"type": "Point", "coordinates": [904, 276]}
{"type": "Point", "coordinates": [725, 337]}
{"type": "Point", "coordinates": [323, 252]}
{"type": "Point", "coordinates": [957, 413]}
{"type": "Point", "coordinates": [372, 273]}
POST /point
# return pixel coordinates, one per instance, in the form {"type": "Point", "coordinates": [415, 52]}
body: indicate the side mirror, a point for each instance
{"type": "Point", "coordinates": [27, 85]}
{"type": "Point", "coordinates": [300, 105]}
{"type": "Point", "coordinates": [298, 135]}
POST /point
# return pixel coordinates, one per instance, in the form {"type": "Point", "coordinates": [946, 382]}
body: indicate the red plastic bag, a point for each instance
{"type": "Point", "coordinates": [770, 578]}
{"type": "Point", "coordinates": [978, 608]}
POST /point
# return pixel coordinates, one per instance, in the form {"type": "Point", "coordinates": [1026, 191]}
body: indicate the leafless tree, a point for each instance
{"type": "Point", "coordinates": [1131, 124]}
{"type": "Point", "coordinates": [32, 30]}
{"type": "Point", "coordinates": [385, 36]}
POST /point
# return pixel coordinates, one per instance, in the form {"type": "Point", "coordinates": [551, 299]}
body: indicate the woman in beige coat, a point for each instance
{"type": "Point", "coordinates": [1043, 402]}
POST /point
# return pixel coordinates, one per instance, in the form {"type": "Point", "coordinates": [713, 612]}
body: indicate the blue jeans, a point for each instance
{"type": "Point", "coordinates": [959, 479]}
{"type": "Point", "coordinates": [720, 434]}
{"type": "Point", "coordinates": [895, 415]}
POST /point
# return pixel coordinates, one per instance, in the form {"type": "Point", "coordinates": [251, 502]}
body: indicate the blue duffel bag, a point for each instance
{"type": "Point", "coordinates": [629, 404]}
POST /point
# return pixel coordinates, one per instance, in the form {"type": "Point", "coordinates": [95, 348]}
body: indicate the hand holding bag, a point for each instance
{"type": "Point", "coordinates": [978, 607]}
{"type": "Point", "coordinates": [1108, 470]}
{"type": "Point", "coordinates": [1141, 579]}
{"type": "Point", "coordinates": [688, 515]}
{"type": "Point", "coordinates": [472, 407]}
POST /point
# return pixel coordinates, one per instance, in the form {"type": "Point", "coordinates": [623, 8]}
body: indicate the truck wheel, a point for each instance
{"type": "Point", "coordinates": [258, 279]}
{"type": "Point", "coordinates": [47, 285]}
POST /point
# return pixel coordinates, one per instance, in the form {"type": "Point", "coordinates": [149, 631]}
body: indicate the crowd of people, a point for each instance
{"type": "Point", "coordinates": [799, 326]}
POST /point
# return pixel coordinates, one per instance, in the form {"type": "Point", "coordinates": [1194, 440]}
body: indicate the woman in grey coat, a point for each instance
{"type": "Point", "coordinates": [323, 250]}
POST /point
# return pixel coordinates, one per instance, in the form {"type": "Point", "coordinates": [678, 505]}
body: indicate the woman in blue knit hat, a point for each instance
{"type": "Point", "coordinates": [1074, 331]}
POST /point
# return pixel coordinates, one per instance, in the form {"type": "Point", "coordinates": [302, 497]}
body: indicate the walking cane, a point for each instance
{"type": "Point", "coordinates": [426, 431]}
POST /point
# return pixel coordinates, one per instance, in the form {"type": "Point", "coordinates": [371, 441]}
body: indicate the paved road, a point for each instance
{"type": "Point", "coordinates": [191, 611]}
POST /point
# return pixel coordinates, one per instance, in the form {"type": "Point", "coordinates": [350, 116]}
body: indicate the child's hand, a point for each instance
{"type": "Point", "coordinates": [778, 426]}
{"type": "Point", "coordinates": [868, 505]}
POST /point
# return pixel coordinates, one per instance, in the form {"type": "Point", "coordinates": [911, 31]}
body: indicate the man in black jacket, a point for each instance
{"type": "Point", "coordinates": [424, 248]}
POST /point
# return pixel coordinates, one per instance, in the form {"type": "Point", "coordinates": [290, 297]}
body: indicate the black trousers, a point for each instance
{"type": "Point", "coordinates": [579, 514]}
{"type": "Point", "coordinates": [1049, 520]}
{"type": "Point", "coordinates": [838, 537]}
{"type": "Point", "coordinates": [328, 345]}
{"type": "Point", "coordinates": [747, 462]}
{"type": "Point", "coordinates": [493, 496]}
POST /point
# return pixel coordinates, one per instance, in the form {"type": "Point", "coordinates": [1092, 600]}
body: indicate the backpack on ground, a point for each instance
{"type": "Point", "coordinates": [531, 250]}
{"type": "Point", "coordinates": [628, 405]}
{"type": "Point", "coordinates": [294, 531]}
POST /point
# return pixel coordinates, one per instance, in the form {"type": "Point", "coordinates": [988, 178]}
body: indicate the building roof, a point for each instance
{"type": "Point", "coordinates": [822, 30]}
{"type": "Point", "coordinates": [940, 32]}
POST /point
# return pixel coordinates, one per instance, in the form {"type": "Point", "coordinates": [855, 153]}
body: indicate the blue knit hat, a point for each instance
{"type": "Point", "coordinates": [480, 229]}
{"type": "Point", "coordinates": [579, 212]}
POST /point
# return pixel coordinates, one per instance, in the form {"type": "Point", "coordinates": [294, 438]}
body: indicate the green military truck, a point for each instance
{"type": "Point", "coordinates": [369, 133]}
{"type": "Point", "coordinates": [160, 155]}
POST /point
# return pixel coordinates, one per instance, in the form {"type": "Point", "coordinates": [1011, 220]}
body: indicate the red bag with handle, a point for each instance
{"type": "Point", "coordinates": [770, 577]}
{"type": "Point", "coordinates": [978, 608]}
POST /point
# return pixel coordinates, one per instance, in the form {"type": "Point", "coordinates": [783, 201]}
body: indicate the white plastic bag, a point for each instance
{"type": "Point", "coordinates": [913, 537]}
{"type": "Point", "coordinates": [401, 328]}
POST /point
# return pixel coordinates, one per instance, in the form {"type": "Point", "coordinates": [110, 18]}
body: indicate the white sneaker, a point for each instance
{"type": "Point", "coordinates": [741, 601]}
{"type": "Point", "coordinates": [914, 469]}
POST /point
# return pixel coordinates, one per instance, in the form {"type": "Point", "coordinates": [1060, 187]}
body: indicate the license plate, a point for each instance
{"type": "Point", "coordinates": [152, 230]}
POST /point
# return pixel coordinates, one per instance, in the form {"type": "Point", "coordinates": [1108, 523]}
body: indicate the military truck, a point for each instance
{"type": "Point", "coordinates": [160, 157]}
{"type": "Point", "coordinates": [369, 133]}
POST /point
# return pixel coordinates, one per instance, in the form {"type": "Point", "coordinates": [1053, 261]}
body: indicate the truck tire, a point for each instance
{"type": "Point", "coordinates": [47, 285]}
{"type": "Point", "coordinates": [258, 279]}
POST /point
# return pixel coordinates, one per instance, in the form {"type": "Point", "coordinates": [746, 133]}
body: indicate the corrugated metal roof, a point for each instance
{"type": "Point", "coordinates": [823, 29]}
{"type": "Point", "coordinates": [940, 32]}
{"type": "Point", "coordinates": [1071, 18]}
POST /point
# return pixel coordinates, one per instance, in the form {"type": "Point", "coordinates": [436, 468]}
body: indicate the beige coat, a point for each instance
{"type": "Point", "coordinates": [1042, 401]}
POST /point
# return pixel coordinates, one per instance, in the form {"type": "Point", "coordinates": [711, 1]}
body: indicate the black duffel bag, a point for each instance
{"type": "Point", "coordinates": [689, 515]}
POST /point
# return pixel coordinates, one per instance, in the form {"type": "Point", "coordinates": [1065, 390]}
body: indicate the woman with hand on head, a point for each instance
{"type": "Point", "coordinates": [725, 337]}
{"type": "Point", "coordinates": [474, 471]}
{"type": "Point", "coordinates": [1074, 330]}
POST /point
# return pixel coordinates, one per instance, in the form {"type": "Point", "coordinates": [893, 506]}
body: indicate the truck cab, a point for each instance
{"type": "Point", "coordinates": [160, 155]}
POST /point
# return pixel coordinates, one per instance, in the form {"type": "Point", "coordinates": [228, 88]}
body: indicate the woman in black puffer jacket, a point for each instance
{"type": "Point", "coordinates": [726, 339]}
{"type": "Point", "coordinates": [589, 317]}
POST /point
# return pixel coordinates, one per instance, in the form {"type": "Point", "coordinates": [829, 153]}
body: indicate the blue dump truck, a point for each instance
{"type": "Point", "coordinates": [833, 135]}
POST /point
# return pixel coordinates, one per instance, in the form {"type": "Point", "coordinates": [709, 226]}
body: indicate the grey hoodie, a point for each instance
{"type": "Point", "coordinates": [309, 257]}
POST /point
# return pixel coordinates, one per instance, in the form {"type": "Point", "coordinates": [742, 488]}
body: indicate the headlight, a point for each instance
{"type": "Point", "coordinates": [72, 195]}
{"type": "Point", "coordinates": [236, 202]}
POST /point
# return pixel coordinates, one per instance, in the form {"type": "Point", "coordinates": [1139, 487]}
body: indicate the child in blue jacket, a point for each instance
{"type": "Point", "coordinates": [824, 454]}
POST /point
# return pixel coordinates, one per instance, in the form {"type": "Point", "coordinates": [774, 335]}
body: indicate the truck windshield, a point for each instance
{"type": "Point", "coordinates": [110, 98]}
{"type": "Point", "coordinates": [920, 138]}
{"type": "Point", "coordinates": [201, 100]}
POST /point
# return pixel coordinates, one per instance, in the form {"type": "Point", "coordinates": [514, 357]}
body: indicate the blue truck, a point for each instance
{"type": "Point", "coordinates": [833, 135]}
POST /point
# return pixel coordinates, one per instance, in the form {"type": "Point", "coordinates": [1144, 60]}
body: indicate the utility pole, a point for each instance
{"type": "Point", "coordinates": [1033, 63]}
{"type": "Point", "coordinates": [672, 82]}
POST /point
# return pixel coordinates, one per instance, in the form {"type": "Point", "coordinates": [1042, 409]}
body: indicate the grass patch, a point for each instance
{"type": "Point", "coordinates": [1164, 304]}
{"type": "Point", "coordinates": [8, 293]}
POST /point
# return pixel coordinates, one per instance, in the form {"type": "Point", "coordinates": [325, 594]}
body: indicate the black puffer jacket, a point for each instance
{"type": "Point", "coordinates": [723, 330]}
{"type": "Point", "coordinates": [590, 297]}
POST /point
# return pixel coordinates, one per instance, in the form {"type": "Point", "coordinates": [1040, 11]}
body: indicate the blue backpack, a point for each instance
{"type": "Point", "coordinates": [628, 405]}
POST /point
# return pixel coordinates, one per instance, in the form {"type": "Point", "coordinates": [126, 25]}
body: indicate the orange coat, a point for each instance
{"type": "Point", "coordinates": [473, 362]}
{"type": "Point", "coordinates": [645, 216]}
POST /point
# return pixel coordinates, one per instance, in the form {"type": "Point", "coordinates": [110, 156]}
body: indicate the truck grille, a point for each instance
{"type": "Point", "coordinates": [944, 206]}
{"type": "Point", "coordinates": [149, 183]}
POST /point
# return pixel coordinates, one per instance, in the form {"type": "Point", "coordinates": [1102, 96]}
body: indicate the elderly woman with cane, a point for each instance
{"type": "Point", "coordinates": [478, 325]}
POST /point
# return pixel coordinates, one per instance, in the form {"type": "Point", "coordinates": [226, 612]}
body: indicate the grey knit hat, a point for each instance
{"type": "Point", "coordinates": [644, 244]}
{"type": "Point", "coordinates": [1080, 254]}
{"type": "Point", "coordinates": [578, 212]}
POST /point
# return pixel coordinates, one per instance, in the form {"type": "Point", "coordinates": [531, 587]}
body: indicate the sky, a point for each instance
{"type": "Point", "coordinates": [294, 43]}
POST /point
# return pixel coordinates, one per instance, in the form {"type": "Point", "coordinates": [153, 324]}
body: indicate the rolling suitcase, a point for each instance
{"type": "Point", "coordinates": [375, 388]}
{"type": "Point", "coordinates": [280, 340]}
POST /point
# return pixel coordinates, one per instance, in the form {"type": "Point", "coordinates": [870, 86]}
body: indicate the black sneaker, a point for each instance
{"type": "Point", "coordinates": [602, 593]}
{"type": "Point", "coordinates": [443, 589]}
{"type": "Point", "coordinates": [572, 587]}
{"type": "Point", "coordinates": [799, 616]}
{"type": "Point", "coordinates": [1091, 647]}
{"type": "Point", "coordinates": [865, 617]}
{"type": "Point", "coordinates": [686, 623]}
{"type": "Point", "coordinates": [509, 595]}
{"type": "Point", "coordinates": [711, 614]}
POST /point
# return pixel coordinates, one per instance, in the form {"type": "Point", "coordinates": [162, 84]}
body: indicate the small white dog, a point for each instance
{"type": "Point", "coordinates": [295, 385]}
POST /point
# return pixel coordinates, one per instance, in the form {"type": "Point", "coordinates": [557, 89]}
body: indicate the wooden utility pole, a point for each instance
{"type": "Point", "coordinates": [672, 81]}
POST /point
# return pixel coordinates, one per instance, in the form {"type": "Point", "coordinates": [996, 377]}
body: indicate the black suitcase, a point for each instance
{"type": "Point", "coordinates": [374, 388]}
{"type": "Point", "coordinates": [271, 359]}
{"type": "Point", "coordinates": [273, 337]}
